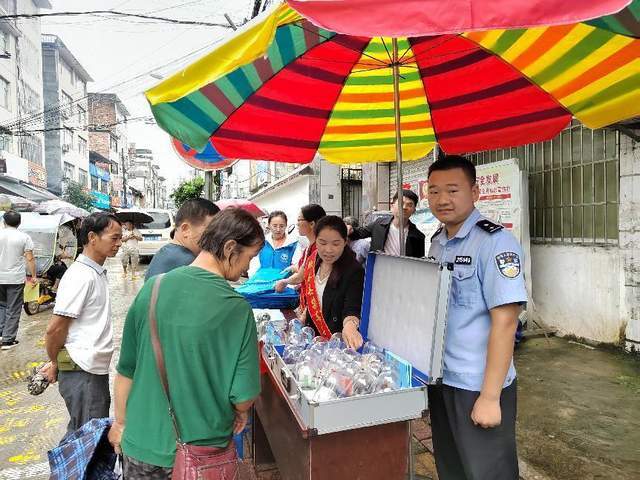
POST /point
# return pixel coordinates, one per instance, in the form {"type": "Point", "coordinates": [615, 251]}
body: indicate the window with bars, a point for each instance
{"type": "Point", "coordinates": [573, 184]}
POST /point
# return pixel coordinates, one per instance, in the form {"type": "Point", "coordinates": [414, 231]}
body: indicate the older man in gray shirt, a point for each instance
{"type": "Point", "coordinates": [15, 247]}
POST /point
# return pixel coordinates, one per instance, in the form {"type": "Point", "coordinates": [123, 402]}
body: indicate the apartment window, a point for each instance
{"type": "Point", "coordinates": [113, 143]}
{"type": "Point", "coordinates": [104, 186]}
{"type": "Point", "coordinates": [66, 109]}
{"type": "Point", "coordinates": [66, 73]}
{"type": "Point", "coordinates": [82, 116]}
{"type": "Point", "coordinates": [69, 171]}
{"type": "Point", "coordinates": [94, 183]}
{"type": "Point", "coordinates": [4, 41]}
{"type": "Point", "coordinates": [5, 143]}
{"type": "Point", "coordinates": [83, 177]}
{"type": "Point", "coordinates": [67, 140]}
{"type": "Point", "coordinates": [82, 146]}
{"type": "Point", "coordinates": [4, 93]}
{"type": "Point", "coordinates": [573, 185]}
{"type": "Point", "coordinates": [114, 168]}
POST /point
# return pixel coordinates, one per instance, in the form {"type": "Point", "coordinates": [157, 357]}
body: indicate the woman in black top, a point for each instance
{"type": "Point", "coordinates": [333, 282]}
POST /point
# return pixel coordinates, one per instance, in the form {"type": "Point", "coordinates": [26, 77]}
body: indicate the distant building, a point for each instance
{"type": "Point", "coordinates": [108, 144]}
{"type": "Point", "coordinates": [66, 121]}
{"type": "Point", "coordinates": [21, 99]}
{"type": "Point", "coordinates": [144, 177]}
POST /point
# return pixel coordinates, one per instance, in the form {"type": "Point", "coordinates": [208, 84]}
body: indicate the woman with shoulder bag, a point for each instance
{"type": "Point", "coordinates": [188, 368]}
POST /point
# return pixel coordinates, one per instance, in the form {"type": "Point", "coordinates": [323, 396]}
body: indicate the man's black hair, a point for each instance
{"type": "Point", "coordinates": [96, 222]}
{"type": "Point", "coordinates": [449, 162]}
{"type": "Point", "coordinates": [12, 218]}
{"type": "Point", "coordinates": [312, 212]}
{"type": "Point", "coordinates": [410, 194]}
{"type": "Point", "coordinates": [195, 211]}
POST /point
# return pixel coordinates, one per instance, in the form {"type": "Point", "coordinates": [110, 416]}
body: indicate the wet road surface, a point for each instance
{"type": "Point", "coordinates": [29, 426]}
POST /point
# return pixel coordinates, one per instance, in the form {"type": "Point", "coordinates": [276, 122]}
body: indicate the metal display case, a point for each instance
{"type": "Point", "coordinates": [404, 310]}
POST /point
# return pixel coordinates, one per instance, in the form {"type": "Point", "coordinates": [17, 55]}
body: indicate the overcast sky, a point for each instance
{"type": "Point", "coordinates": [116, 51]}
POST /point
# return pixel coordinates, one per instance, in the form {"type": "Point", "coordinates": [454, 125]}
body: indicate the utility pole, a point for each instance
{"type": "Point", "coordinates": [124, 178]}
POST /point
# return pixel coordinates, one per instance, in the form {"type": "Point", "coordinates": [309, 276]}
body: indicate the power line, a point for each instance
{"type": "Point", "coordinates": [52, 111]}
{"type": "Point", "coordinates": [114, 14]}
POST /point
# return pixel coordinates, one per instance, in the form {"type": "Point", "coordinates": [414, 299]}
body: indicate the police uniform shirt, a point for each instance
{"type": "Point", "coordinates": [487, 273]}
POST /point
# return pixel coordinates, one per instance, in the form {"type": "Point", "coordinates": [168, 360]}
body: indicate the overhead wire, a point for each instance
{"type": "Point", "coordinates": [115, 14]}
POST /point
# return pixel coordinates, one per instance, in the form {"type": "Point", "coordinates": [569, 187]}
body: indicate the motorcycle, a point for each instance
{"type": "Point", "coordinates": [54, 241]}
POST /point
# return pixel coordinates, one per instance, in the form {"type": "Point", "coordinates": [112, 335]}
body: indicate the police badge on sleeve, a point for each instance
{"type": "Point", "coordinates": [508, 264]}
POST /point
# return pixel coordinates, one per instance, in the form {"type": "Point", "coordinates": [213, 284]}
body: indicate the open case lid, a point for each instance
{"type": "Point", "coordinates": [404, 309]}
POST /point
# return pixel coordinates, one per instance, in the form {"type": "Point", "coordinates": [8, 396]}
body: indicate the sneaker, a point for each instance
{"type": "Point", "coordinates": [9, 345]}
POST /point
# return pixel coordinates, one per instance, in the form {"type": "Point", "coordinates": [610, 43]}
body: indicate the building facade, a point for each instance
{"type": "Point", "coordinates": [108, 144]}
{"type": "Point", "coordinates": [21, 98]}
{"type": "Point", "coordinates": [66, 120]}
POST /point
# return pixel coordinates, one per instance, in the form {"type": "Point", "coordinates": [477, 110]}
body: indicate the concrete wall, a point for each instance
{"type": "Point", "coordinates": [629, 219]}
{"type": "Point", "coordinates": [577, 289]}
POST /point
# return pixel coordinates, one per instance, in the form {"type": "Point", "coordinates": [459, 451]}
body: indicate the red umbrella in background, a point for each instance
{"type": "Point", "coordinates": [246, 205]}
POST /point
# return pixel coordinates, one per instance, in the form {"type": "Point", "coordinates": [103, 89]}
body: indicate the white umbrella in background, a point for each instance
{"type": "Point", "coordinates": [61, 207]}
{"type": "Point", "coordinates": [17, 203]}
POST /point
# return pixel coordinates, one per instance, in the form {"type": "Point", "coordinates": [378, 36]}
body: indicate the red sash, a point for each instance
{"type": "Point", "coordinates": [309, 297]}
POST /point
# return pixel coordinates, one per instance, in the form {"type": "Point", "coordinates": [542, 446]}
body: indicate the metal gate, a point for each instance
{"type": "Point", "coordinates": [351, 181]}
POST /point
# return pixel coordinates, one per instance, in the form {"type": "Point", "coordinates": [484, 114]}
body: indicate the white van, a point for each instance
{"type": "Point", "coordinates": [157, 233]}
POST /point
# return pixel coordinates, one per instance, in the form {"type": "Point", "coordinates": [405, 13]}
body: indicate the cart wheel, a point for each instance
{"type": "Point", "coordinates": [31, 308]}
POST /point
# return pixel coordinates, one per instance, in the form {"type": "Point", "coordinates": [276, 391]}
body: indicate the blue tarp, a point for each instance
{"type": "Point", "coordinates": [259, 290]}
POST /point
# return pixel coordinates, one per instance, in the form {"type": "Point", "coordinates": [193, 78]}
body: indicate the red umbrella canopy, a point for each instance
{"type": "Point", "coordinates": [246, 205]}
{"type": "Point", "coordinates": [410, 18]}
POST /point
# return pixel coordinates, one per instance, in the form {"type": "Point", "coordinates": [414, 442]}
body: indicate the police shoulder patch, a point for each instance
{"type": "Point", "coordinates": [437, 232]}
{"type": "Point", "coordinates": [489, 226]}
{"type": "Point", "coordinates": [508, 264]}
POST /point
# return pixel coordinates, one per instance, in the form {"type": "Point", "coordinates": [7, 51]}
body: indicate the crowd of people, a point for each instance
{"type": "Point", "coordinates": [207, 336]}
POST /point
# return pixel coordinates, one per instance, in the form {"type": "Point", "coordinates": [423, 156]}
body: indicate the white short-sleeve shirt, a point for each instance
{"type": "Point", "coordinates": [83, 295]}
{"type": "Point", "coordinates": [392, 245]}
{"type": "Point", "coordinates": [13, 245]}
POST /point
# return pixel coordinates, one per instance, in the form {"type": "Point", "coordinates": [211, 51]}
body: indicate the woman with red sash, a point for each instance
{"type": "Point", "coordinates": [331, 297]}
{"type": "Point", "coordinates": [307, 219]}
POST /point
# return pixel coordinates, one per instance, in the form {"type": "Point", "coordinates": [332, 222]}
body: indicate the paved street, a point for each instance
{"type": "Point", "coordinates": [572, 399]}
{"type": "Point", "coordinates": [29, 426]}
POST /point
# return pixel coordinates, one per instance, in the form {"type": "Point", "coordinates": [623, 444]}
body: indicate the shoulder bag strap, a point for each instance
{"type": "Point", "coordinates": [157, 350]}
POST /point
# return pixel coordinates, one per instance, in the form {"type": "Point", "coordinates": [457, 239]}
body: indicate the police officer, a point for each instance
{"type": "Point", "coordinates": [473, 412]}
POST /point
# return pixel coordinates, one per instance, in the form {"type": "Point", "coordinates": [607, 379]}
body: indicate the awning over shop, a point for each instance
{"type": "Point", "coordinates": [12, 186]}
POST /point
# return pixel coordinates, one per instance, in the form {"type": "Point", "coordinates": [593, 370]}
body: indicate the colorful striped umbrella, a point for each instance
{"type": "Point", "coordinates": [283, 89]}
{"type": "Point", "coordinates": [208, 159]}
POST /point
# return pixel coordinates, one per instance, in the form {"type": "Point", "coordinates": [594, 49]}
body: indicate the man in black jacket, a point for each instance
{"type": "Point", "coordinates": [385, 234]}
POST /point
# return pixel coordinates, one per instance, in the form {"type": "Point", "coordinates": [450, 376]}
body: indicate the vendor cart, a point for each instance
{"type": "Point", "coordinates": [367, 436]}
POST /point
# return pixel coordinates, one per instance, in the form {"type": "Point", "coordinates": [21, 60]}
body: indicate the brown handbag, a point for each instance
{"type": "Point", "coordinates": [193, 462]}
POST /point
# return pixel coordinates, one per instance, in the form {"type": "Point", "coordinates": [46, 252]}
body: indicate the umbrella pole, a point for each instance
{"type": "Point", "coordinates": [396, 109]}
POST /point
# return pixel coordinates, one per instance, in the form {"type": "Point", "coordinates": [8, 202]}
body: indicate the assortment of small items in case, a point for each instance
{"type": "Point", "coordinates": [331, 388]}
{"type": "Point", "coordinates": [326, 369]}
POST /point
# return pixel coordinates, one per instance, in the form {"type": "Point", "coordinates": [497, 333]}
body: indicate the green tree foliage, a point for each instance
{"type": "Point", "coordinates": [77, 195]}
{"type": "Point", "coordinates": [187, 190]}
